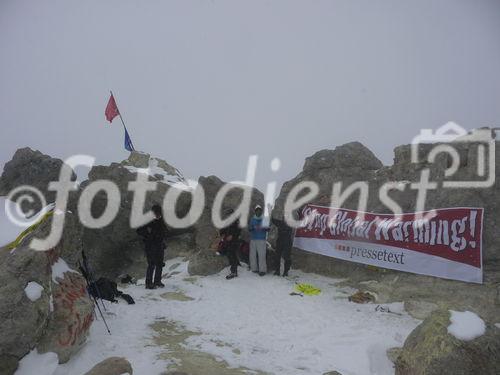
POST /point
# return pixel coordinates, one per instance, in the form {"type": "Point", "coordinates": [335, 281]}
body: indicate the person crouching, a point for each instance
{"type": "Point", "coordinates": [153, 235]}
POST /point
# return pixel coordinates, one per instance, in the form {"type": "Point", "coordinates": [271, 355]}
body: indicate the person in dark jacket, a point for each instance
{"type": "Point", "coordinates": [283, 246]}
{"type": "Point", "coordinates": [231, 238]}
{"type": "Point", "coordinates": [153, 235]}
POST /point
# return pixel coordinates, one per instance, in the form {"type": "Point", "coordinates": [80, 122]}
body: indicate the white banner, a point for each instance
{"type": "Point", "coordinates": [444, 243]}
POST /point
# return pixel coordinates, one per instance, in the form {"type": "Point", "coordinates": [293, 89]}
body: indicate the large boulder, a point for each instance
{"type": "Point", "coordinates": [71, 318]}
{"type": "Point", "coordinates": [349, 163]}
{"type": "Point", "coordinates": [205, 232]}
{"type": "Point", "coordinates": [22, 321]}
{"type": "Point", "coordinates": [350, 156]}
{"type": "Point", "coordinates": [43, 302]}
{"type": "Point", "coordinates": [431, 350]}
{"type": "Point", "coordinates": [32, 168]}
{"type": "Point", "coordinates": [204, 261]}
{"type": "Point", "coordinates": [112, 366]}
{"type": "Point", "coordinates": [116, 248]}
{"type": "Point", "coordinates": [181, 245]}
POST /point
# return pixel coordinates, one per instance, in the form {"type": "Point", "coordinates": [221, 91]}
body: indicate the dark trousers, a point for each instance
{"type": "Point", "coordinates": [156, 270]}
{"type": "Point", "coordinates": [285, 253]}
{"type": "Point", "coordinates": [233, 258]}
{"type": "Point", "coordinates": [155, 266]}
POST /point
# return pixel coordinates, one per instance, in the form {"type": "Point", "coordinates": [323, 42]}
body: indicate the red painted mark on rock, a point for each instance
{"type": "Point", "coordinates": [75, 330]}
{"type": "Point", "coordinates": [70, 291]}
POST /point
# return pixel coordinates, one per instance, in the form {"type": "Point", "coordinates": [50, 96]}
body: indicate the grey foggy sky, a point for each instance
{"type": "Point", "coordinates": [204, 84]}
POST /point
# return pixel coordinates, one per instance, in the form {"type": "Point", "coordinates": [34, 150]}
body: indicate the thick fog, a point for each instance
{"type": "Point", "coordinates": [205, 84]}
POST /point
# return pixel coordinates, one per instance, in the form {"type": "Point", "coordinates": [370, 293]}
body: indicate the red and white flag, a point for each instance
{"type": "Point", "coordinates": [111, 109]}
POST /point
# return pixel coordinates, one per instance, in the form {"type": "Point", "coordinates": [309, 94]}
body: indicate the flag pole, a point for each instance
{"type": "Point", "coordinates": [121, 118]}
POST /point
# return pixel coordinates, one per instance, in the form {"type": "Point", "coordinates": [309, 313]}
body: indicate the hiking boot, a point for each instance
{"type": "Point", "coordinates": [262, 274]}
{"type": "Point", "coordinates": [277, 273]}
{"type": "Point", "coordinates": [159, 284]}
{"type": "Point", "coordinates": [231, 276]}
{"type": "Point", "coordinates": [285, 274]}
{"type": "Point", "coordinates": [255, 271]}
{"type": "Point", "coordinates": [151, 286]}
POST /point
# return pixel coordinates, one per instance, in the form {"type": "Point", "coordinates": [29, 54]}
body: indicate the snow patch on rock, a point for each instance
{"type": "Point", "coordinates": [154, 169]}
{"type": "Point", "coordinates": [33, 291]}
{"type": "Point", "coordinates": [59, 268]}
{"type": "Point", "coordinates": [466, 325]}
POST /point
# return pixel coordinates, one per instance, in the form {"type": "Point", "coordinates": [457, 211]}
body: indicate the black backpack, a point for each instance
{"type": "Point", "coordinates": [106, 289]}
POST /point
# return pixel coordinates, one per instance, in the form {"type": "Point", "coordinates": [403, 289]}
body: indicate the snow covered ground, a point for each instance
{"type": "Point", "coordinates": [262, 327]}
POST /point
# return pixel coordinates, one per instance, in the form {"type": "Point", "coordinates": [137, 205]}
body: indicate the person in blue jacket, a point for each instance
{"type": "Point", "coordinates": [258, 234]}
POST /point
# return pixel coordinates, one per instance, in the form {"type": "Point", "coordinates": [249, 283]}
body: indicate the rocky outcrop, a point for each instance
{"type": "Point", "coordinates": [29, 167]}
{"type": "Point", "coordinates": [116, 248]}
{"type": "Point", "coordinates": [181, 245]}
{"type": "Point", "coordinates": [431, 350]}
{"type": "Point", "coordinates": [205, 232]}
{"type": "Point", "coordinates": [204, 261]}
{"type": "Point", "coordinates": [22, 321]}
{"type": "Point", "coordinates": [348, 163]}
{"type": "Point", "coordinates": [57, 320]}
{"type": "Point", "coordinates": [353, 162]}
{"type": "Point", "coordinates": [71, 318]}
{"type": "Point", "coordinates": [112, 366]}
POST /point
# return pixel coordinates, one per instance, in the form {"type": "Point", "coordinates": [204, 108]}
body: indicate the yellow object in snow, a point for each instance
{"type": "Point", "coordinates": [307, 289]}
{"type": "Point", "coordinates": [28, 230]}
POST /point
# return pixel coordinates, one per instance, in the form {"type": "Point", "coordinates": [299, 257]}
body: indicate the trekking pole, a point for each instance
{"type": "Point", "coordinates": [80, 267]}
{"type": "Point", "coordinates": [88, 270]}
{"type": "Point", "coordinates": [89, 286]}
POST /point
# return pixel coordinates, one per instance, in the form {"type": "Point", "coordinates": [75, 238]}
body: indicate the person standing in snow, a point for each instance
{"type": "Point", "coordinates": [284, 244]}
{"type": "Point", "coordinates": [153, 235]}
{"type": "Point", "coordinates": [231, 235]}
{"type": "Point", "coordinates": [258, 234]}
